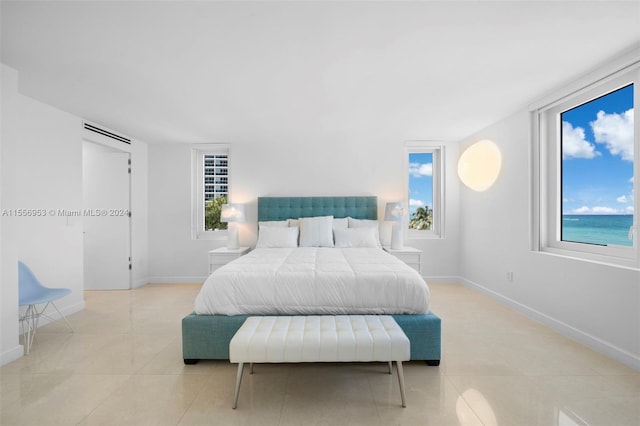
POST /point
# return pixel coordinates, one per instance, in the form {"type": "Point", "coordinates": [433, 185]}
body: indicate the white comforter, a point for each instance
{"type": "Point", "coordinates": [310, 280]}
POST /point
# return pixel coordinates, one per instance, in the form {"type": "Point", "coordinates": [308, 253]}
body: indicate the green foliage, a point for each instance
{"type": "Point", "coordinates": [422, 218]}
{"type": "Point", "coordinates": [212, 209]}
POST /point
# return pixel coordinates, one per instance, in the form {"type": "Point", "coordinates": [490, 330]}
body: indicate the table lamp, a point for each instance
{"type": "Point", "coordinates": [232, 214]}
{"type": "Point", "coordinates": [394, 212]}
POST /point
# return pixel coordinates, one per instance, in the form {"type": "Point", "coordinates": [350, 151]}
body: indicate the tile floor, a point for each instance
{"type": "Point", "coordinates": [123, 366]}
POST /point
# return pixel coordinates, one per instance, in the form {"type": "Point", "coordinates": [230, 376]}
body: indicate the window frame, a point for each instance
{"type": "Point", "coordinates": [437, 151]}
{"type": "Point", "coordinates": [547, 164]}
{"type": "Point", "coordinates": [198, 151]}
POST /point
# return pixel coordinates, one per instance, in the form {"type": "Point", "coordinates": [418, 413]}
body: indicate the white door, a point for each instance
{"type": "Point", "coordinates": [107, 230]}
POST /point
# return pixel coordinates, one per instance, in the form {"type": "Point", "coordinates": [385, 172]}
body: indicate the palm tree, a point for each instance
{"type": "Point", "coordinates": [212, 209]}
{"type": "Point", "coordinates": [422, 218]}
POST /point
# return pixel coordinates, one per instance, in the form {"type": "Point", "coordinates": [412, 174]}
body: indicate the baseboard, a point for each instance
{"type": "Point", "coordinates": [561, 327]}
{"type": "Point", "coordinates": [140, 282]}
{"type": "Point", "coordinates": [176, 280]}
{"type": "Point", "coordinates": [72, 309]}
{"type": "Point", "coordinates": [11, 355]}
{"type": "Point", "coordinates": [441, 279]}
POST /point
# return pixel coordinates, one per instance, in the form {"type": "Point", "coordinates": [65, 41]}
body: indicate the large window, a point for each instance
{"type": "Point", "coordinates": [597, 170]}
{"type": "Point", "coordinates": [424, 162]}
{"type": "Point", "coordinates": [585, 183]}
{"type": "Point", "coordinates": [210, 189]}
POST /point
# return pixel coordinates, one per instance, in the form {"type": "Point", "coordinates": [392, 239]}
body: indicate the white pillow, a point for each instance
{"type": "Point", "coordinates": [277, 237]}
{"type": "Point", "coordinates": [362, 223]}
{"type": "Point", "coordinates": [273, 223]}
{"type": "Point", "coordinates": [316, 231]}
{"type": "Point", "coordinates": [356, 237]}
{"type": "Point", "coordinates": [366, 223]}
{"type": "Point", "coordinates": [340, 223]}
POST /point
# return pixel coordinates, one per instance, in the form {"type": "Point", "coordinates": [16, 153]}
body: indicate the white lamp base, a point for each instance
{"type": "Point", "coordinates": [396, 236]}
{"type": "Point", "coordinates": [232, 234]}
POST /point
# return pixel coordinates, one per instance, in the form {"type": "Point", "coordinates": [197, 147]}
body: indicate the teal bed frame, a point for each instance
{"type": "Point", "coordinates": [208, 336]}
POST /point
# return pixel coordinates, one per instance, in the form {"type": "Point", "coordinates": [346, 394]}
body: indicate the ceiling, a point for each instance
{"type": "Point", "coordinates": [205, 71]}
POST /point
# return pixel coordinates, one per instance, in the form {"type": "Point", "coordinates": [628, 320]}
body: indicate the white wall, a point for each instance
{"type": "Point", "coordinates": [42, 169]}
{"type": "Point", "coordinates": [596, 304]}
{"type": "Point", "coordinates": [314, 164]}
{"type": "Point", "coordinates": [9, 347]}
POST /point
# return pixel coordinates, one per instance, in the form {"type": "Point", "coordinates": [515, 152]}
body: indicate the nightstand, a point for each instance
{"type": "Point", "coordinates": [221, 256]}
{"type": "Point", "coordinates": [409, 255]}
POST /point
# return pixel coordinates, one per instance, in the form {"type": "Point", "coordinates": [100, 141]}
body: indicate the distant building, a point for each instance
{"type": "Point", "coordinates": [216, 176]}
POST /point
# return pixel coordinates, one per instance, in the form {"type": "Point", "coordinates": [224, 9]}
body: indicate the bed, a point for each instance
{"type": "Point", "coordinates": [206, 332]}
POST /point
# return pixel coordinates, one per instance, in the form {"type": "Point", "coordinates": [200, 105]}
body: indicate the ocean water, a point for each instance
{"type": "Point", "coordinates": [597, 229]}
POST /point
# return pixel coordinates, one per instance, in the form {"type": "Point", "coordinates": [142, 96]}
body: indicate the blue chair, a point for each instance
{"type": "Point", "coordinates": [31, 293]}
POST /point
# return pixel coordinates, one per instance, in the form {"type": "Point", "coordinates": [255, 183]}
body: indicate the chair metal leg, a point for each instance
{"type": "Point", "coordinates": [30, 318]}
{"type": "Point", "coordinates": [63, 317]}
{"type": "Point", "coordinates": [401, 380]}
{"type": "Point", "coordinates": [238, 380]}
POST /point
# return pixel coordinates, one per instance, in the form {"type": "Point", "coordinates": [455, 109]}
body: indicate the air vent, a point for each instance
{"type": "Point", "coordinates": [106, 133]}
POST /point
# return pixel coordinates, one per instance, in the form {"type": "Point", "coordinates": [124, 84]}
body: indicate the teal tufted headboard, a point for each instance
{"type": "Point", "coordinates": [281, 208]}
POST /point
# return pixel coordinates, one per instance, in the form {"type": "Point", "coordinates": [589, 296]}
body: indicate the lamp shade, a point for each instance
{"type": "Point", "coordinates": [479, 165]}
{"type": "Point", "coordinates": [232, 213]}
{"type": "Point", "coordinates": [394, 212]}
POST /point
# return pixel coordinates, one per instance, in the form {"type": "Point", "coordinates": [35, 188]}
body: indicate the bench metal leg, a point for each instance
{"type": "Point", "coordinates": [250, 368]}
{"type": "Point", "coordinates": [401, 380]}
{"type": "Point", "coordinates": [390, 367]}
{"type": "Point", "coordinates": [238, 380]}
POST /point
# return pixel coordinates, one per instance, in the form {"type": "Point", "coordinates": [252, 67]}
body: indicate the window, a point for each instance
{"type": "Point", "coordinates": [585, 192]}
{"type": "Point", "coordinates": [597, 170]}
{"type": "Point", "coordinates": [424, 162]}
{"type": "Point", "coordinates": [210, 190]}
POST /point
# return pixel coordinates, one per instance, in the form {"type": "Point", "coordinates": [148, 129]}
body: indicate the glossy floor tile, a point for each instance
{"type": "Point", "coordinates": [123, 366]}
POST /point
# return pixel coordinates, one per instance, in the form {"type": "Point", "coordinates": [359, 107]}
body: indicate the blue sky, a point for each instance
{"type": "Point", "coordinates": [420, 181]}
{"type": "Point", "coordinates": [597, 151]}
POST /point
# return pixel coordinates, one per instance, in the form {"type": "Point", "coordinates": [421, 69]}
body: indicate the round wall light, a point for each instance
{"type": "Point", "coordinates": [479, 165]}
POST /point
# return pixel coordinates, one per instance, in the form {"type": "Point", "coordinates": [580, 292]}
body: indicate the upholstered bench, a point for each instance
{"type": "Point", "coordinates": [325, 338]}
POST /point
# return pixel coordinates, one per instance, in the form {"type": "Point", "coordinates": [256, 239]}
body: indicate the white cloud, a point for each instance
{"type": "Point", "coordinates": [628, 210]}
{"type": "Point", "coordinates": [622, 199]}
{"type": "Point", "coordinates": [615, 131]}
{"type": "Point", "coordinates": [419, 169]}
{"type": "Point", "coordinates": [597, 210]}
{"type": "Point", "coordinates": [604, 210]}
{"type": "Point", "coordinates": [415, 203]}
{"type": "Point", "coordinates": [574, 145]}
{"type": "Point", "coordinates": [581, 210]}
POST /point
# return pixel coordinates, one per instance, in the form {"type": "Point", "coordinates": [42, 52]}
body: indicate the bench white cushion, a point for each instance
{"type": "Point", "coordinates": [324, 338]}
